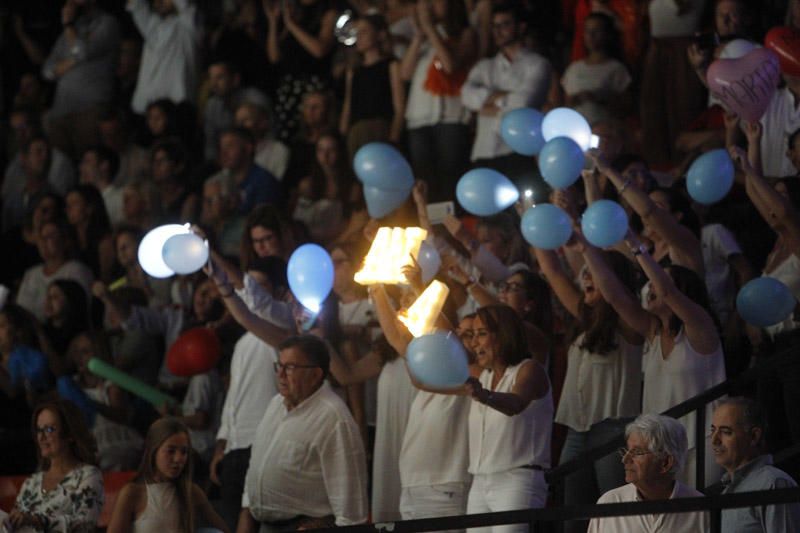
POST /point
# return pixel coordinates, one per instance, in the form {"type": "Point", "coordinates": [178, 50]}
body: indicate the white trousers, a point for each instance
{"type": "Point", "coordinates": [431, 501]}
{"type": "Point", "coordinates": [520, 488]}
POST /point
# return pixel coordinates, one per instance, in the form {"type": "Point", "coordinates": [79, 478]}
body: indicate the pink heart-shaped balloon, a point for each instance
{"type": "Point", "coordinates": [745, 85]}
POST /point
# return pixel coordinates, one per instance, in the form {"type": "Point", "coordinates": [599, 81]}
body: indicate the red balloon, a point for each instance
{"type": "Point", "coordinates": [785, 42]}
{"type": "Point", "coordinates": [196, 351]}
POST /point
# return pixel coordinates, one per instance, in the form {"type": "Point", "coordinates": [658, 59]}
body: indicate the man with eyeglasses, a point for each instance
{"type": "Point", "coordinates": [515, 77]}
{"type": "Point", "coordinates": [307, 466]}
{"type": "Point", "coordinates": [737, 438]}
{"type": "Point", "coordinates": [654, 454]}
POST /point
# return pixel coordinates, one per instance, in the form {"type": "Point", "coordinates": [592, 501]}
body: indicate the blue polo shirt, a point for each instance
{"type": "Point", "coordinates": [259, 187]}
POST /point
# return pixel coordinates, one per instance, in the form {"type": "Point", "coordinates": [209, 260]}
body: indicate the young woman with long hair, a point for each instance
{"type": "Point", "coordinates": [162, 496]}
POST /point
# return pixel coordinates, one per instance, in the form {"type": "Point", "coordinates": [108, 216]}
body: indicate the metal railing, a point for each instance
{"type": "Point", "coordinates": [539, 519]}
{"type": "Point", "coordinates": [555, 476]}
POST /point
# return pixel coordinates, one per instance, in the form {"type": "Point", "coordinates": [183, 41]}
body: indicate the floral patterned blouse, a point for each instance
{"type": "Point", "coordinates": [72, 506]}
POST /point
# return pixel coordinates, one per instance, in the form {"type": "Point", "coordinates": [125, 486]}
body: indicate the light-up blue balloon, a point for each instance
{"type": "Point", "coordinates": [382, 166]}
{"type": "Point", "coordinates": [310, 274]}
{"type": "Point", "coordinates": [521, 129]}
{"type": "Point", "coordinates": [381, 202]}
{"type": "Point", "coordinates": [566, 122]}
{"type": "Point", "coordinates": [485, 192]}
{"type": "Point", "coordinates": [710, 177]}
{"type": "Point", "coordinates": [604, 223]}
{"type": "Point", "coordinates": [765, 302]}
{"type": "Point", "coordinates": [560, 162]}
{"type": "Point", "coordinates": [185, 253]}
{"type": "Point", "coordinates": [438, 360]}
{"type": "Point", "coordinates": [546, 226]}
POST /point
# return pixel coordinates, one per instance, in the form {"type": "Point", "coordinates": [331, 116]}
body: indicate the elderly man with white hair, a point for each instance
{"type": "Point", "coordinates": [655, 452]}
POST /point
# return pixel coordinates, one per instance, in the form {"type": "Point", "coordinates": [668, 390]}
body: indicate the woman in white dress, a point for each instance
{"type": "Point", "coordinates": [779, 392]}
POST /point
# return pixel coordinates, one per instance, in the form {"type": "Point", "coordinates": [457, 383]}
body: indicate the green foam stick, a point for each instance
{"type": "Point", "coordinates": [129, 383]}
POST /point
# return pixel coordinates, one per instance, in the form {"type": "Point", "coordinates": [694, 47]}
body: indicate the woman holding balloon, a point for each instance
{"type": "Point", "coordinates": [683, 352]}
{"type": "Point", "coordinates": [511, 420]}
{"type": "Point", "coordinates": [602, 384]}
{"type": "Point", "coordinates": [777, 205]}
{"type": "Point", "coordinates": [674, 242]}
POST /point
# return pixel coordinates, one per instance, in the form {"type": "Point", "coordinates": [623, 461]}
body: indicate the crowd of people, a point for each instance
{"type": "Point", "coordinates": [242, 118]}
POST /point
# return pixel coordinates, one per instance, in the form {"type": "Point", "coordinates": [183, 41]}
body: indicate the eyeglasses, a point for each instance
{"type": "Point", "coordinates": [47, 430]}
{"type": "Point", "coordinates": [623, 452]}
{"type": "Point", "coordinates": [289, 367]}
{"type": "Point", "coordinates": [511, 286]}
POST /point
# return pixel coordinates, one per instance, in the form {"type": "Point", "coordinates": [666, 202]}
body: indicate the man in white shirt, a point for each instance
{"type": "Point", "coordinates": [515, 77]}
{"type": "Point", "coordinates": [655, 451]}
{"type": "Point", "coordinates": [308, 466]}
{"type": "Point", "coordinates": [169, 65]}
{"type": "Point", "coordinates": [252, 384]}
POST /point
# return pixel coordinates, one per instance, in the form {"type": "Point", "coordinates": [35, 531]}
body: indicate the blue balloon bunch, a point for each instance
{"type": "Point", "coordinates": [710, 177]}
{"type": "Point", "coordinates": [386, 177]}
{"type": "Point", "coordinates": [310, 274]}
{"type": "Point", "coordinates": [604, 223]}
{"type": "Point", "coordinates": [765, 302]}
{"type": "Point", "coordinates": [546, 226]}
{"type": "Point", "coordinates": [521, 129]}
{"type": "Point", "coordinates": [438, 360]}
{"type": "Point", "coordinates": [485, 192]}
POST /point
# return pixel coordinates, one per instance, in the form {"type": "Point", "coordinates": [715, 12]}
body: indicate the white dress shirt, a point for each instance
{"type": "Point", "coordinates": [309, 461]}
{"type": "Point", "coordinates": [253, 384]}
{"type": "Point", "coordinates": [526, 79]}
{"type": "Point", "coordinates": [170, 55]}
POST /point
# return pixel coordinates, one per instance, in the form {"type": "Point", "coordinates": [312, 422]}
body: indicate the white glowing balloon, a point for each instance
{"type": "Point", "coordinates": [185, 253]}
{"type": "Point", "coordinates": [150, 249]}
{"type": "Point", "coordinates": [566, 122]}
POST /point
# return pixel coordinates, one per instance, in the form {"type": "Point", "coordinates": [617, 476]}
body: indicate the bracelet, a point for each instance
{"type": "Point", "coordinates": [638, 250]}
{"type": "Point", "coordinates": [624, 186]}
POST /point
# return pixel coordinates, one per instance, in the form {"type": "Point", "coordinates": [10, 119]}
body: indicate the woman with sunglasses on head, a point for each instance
{"type": "Point", "coordinates": [682, 356]}
{"type": "Point", "coordinates": [66, 495]}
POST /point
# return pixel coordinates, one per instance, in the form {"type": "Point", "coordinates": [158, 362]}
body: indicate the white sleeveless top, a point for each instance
{"type": "Point", "coordinates": [161, 513]}
{"type": "Point", "coordinates": [684, 373]}
{"type": "Point", "coordinates": [787, 272]}
{"type": "Point", "coordinates": [598, 387]}
{"type": "Point", "coordinates": [436, 447]}
{"type": "Point", "coordinates": [498, 442]}
{"type": "Point", "coordinates": [395, 395]}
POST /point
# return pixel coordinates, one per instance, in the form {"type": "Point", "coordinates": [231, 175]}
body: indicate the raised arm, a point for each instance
{"type": "Point", "coordinates": [776, 209]}
{"type": "Point", "coordinates": [398, 102]}
{"type": "Point", "coordinates": [565, 290]}
{"type": "Point", "coordinates": [614, 291]}
{"type": "Point", "coordinates": [395, 331]}
{"type": "Point", "coordinates": [317, 45]}
{"type": "Point", "coordinates": [263, 329]}
{"type": "Point", "coordinates": [698, 324]}
{"type": "Point", "coordinates": [683, 244]}
{"type": "Point", "coordinates": [452, 58]}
